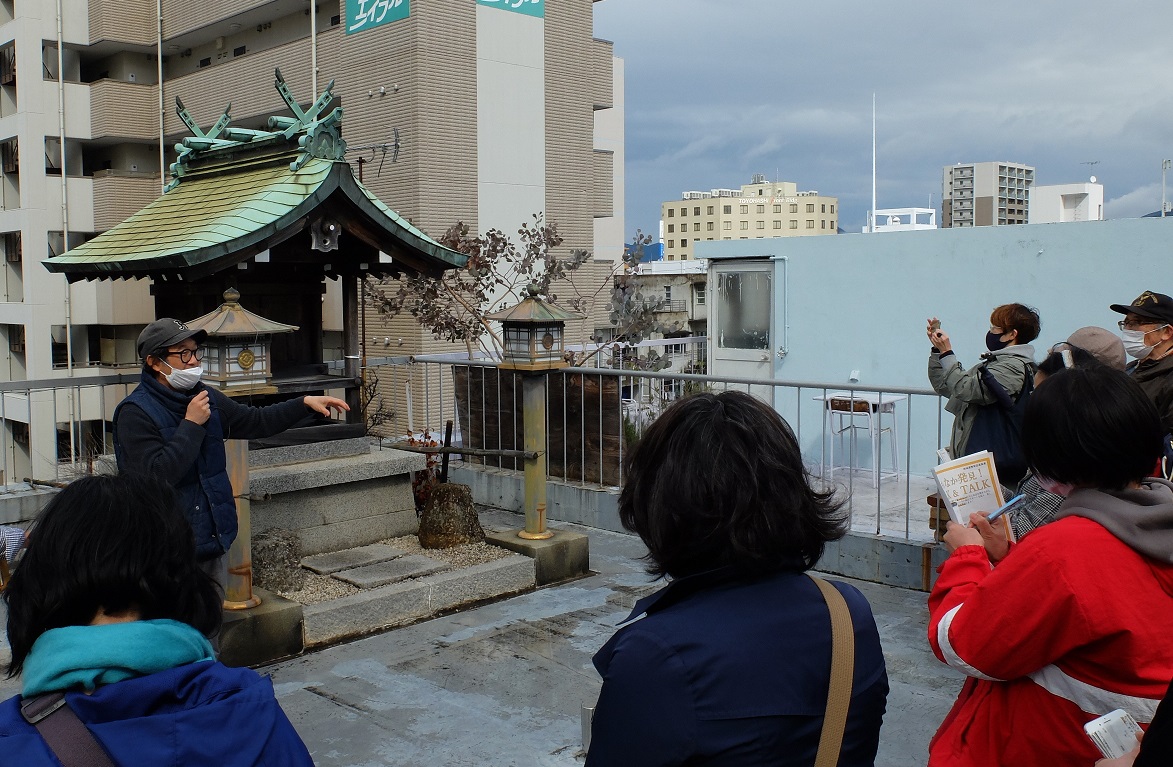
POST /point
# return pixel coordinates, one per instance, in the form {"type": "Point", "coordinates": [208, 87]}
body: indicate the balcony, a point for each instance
{"type": "Point", "coordinates": [601, 75]}
{"type": "Point", "coordinates": [673, 306]}
{"type": "Point", "coordinates": [124, 21]}
{"type": "Point", "coordinates": [123, 110]}
{"type": "Point", "coordinates": [120, 194]}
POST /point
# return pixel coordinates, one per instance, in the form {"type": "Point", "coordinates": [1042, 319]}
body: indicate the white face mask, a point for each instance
{"type": "Point", "coordinates": [184, 379]}
{"type": "Point", "coordinates": [1134, 342]}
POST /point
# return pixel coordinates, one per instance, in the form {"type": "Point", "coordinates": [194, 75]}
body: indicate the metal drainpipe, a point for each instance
{"type": "Point", "coordinates": [313, 49]}
{"type": "Point", "coordinates": [65, 230]}
{"type": "Point", "coordinates": [159, 77]}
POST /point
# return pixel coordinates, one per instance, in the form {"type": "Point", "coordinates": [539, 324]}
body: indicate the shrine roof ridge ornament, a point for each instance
{"type": "Point", "coordinates": [310, 133]}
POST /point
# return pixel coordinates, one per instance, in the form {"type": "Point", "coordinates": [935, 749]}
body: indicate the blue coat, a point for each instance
{"type": "Point", "coordinates": [729, 670]}
{"type": "Point", "coordinates": [195, 714]}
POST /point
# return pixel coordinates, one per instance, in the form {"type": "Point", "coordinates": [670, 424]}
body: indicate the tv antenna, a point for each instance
{"type": "Point", "coordinates": [387, 147]}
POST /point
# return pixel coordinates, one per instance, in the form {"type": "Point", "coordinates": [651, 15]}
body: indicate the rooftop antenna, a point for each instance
{"type": "Point", "coordinates": [872, 215]}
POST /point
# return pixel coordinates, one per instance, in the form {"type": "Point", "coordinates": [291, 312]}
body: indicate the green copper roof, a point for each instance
{"type": "Point", "coordinates": [238, 192]}
{"type": "Point", "coordinates": [210, 222]}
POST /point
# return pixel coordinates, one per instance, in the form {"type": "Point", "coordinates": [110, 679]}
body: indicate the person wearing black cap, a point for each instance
{"type": "Point", "coordinates": [173, 427]}
{"type": "Point", "coordinates": [1147, 330]}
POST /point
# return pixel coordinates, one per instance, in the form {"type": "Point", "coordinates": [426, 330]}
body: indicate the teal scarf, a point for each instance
{"type": "Point", "coordinates": [90, 656]}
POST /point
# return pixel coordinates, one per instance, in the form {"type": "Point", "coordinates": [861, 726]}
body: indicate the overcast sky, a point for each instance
{"type": "Point", "coordinates": [717, 90]}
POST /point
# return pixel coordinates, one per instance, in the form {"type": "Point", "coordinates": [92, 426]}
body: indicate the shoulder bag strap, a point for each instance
{"type": "Point", "coordinates": [67, 737]}
{"type": "Point", "coordinates": [842, 673]}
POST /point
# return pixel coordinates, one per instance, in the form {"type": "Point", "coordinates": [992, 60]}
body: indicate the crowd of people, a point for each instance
{"type": "Point", "coordinates": [1057, 613]}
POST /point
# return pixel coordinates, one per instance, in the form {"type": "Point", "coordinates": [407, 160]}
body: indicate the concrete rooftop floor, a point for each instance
{"type": "Point", "coordinates": [503, 684]}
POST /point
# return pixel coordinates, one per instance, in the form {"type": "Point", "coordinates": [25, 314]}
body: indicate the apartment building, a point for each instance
{"type": "Point", "coordinates": [985, 194]}
{"type": "Point", "coordinates": [479, 111]}
{"type": "Point", "coordinates": [758, 209]}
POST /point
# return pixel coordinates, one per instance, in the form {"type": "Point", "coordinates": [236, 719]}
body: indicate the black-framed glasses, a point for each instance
{"type": "Point", "coordinates": [187, 355]}
{"type": "Point", "coordinates": [1138, 324]}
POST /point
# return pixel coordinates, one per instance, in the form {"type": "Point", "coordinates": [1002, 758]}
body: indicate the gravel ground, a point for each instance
{"type": "Point", "coordinates": [321, 588]}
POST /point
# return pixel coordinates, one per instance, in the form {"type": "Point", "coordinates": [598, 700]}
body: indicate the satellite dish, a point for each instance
{"type": "Point", "coordinates": [1093, 179]}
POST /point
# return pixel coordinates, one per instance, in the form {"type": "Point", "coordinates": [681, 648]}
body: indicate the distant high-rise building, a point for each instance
{"type": "Point", "coordinates": [759, 209]}
{"type": "Point", "coordinates": [985, 194]}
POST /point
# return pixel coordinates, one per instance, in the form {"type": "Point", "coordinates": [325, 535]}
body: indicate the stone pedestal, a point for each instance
{"type": "Point", "coordinates": [564, 556]}
{"type": "Point", "coordinates": [270, 631]}
{"type": "Point", "coordinates": [334, 496]}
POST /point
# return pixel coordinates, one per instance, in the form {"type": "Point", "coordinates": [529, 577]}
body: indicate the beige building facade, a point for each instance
{"type": "Point", "coordinates": [985, 194]}
{"type": "Point", "coordinates": [758, 209]}
{"type": "Point", "coordinates": [501, 111]}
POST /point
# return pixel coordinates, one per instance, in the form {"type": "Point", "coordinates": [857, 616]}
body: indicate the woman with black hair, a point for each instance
{"type": "Point", "coordinates": [1075, 621]}
{"type": "Point", "coordinates": [110, 607]}
{"type": "Point", "coordinates": [730, 663]}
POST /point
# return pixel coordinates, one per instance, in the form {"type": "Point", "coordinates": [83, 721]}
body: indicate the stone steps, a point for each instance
{"type": "Point", "coordinates": [348, 559]}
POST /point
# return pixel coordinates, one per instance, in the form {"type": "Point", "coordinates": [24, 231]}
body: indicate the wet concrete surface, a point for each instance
{"type": "Point", "coordinates": [502, 684]}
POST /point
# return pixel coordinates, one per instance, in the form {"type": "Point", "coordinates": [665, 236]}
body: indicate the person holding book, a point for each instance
{"type": "Point", "coordinates": [1009, 361]}
{"type": "Point", "coordinates": [1075, 621]}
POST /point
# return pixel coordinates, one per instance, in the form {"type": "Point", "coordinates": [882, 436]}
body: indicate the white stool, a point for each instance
{"type": "Point", "coordinates": [853, 411]}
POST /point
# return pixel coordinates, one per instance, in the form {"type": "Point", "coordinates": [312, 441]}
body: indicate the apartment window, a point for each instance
{"type": "Point", "coordinates": [832, 223]}
{"type": "Point", "coordinates": [777, 208]}
{"type": "Point", "coordinates": [743, 225]}
{"type": "Point", "coordinates": [823, 223]}
{"type": "Point", "coordinates": [777, 224]}
{"type": "Point", "coordinates": [759, 225]}
{"type": "Point", "coordinates": [832, 207]}
{"type": "Point", "coordinates": [684, 243]}
{"type": "Point", "coordinates": [710, 210]}
{"type": "Point", "coordinates": [810, 207]}
{"type": "Point", "coordinates": [671, 228]}
{"type": "Point", "coordinates": [667, 292]}
{"type": "Point", "coordinates": [810, 224]}
{"type": "Point", "coordinates": [683, 212]}
{"type": "Point", "coordinates": [683, 256]}
{"type": "Point", "coordinates": [205, 62]}
{"type": "Point", "coordinates": [824, 206]}
{"type": "Point", "coordinates": [793, 224]}
{"type": "Point", "coordinates": [684, 227]}
{"type": "Point", "coordinates": [794, 207]}
{"type": "Point", "coordinates": [239, 51]}
{"type": "Point", "coordinates": [696, 211]}
{"type": "Point", "coordinates": [726, 225]}
{"type": "Point", "coordinates": [671, 212]}
{"type": "Point", "coordinates": [672, 243]}
{"type": "Point", "coordinates": [709, 226]}
{"type": "Point", "coordinates": [761, 209]}
{"type": "Point", "coordinates": [698, 291]}
{"type": "Point", "coordinates": [726, 209]}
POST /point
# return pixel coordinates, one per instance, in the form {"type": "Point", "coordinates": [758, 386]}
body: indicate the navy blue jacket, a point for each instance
{"type": "Point", "coordinates": [152, 436]}
{"type": "Point", "coordinates": [730, 670]}
{"type": "Point", "coordinates": [200, 713]}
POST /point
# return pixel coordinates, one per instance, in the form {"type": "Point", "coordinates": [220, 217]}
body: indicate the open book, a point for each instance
{"type": "Point", "coordinates": [969, 484]}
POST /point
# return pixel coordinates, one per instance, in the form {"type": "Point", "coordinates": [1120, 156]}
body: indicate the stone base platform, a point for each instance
{"type": "Point", "coordinates": [564, 556]}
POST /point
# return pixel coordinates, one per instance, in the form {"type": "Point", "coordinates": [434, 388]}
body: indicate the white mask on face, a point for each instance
{"type": "Point", "coordinates": [1134, 342]}
{"type": "Point", "coordinates": [184, 379]}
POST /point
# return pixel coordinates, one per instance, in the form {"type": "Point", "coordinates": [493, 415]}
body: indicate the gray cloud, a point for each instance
{"type": "Point", "coordinates": [719, 89]}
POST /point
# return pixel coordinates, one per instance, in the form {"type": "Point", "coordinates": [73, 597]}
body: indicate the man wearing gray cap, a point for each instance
{"type": "Point", "coordinates": [173, 428]}
{"type": "Point", "coordinates": [1147, 329]}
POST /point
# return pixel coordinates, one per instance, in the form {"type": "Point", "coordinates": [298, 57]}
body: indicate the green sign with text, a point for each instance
{"type": "Point", "coordinates": [362, 15]}
{"type": "Point", "coordinates": [528, 7]}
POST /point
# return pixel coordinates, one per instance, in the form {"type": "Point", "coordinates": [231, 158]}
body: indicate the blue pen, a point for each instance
{"type": "Point", "coordinates": [1005, 508]}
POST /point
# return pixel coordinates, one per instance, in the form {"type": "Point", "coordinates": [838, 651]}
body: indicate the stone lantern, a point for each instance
{"type": "Point", "coordinates": [237, 358]}
{"type": "Point", "coordinates": [533, 339]}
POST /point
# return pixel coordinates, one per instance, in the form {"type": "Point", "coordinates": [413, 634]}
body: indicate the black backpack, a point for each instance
{"type": "Point", "coordinates": [998, 426]}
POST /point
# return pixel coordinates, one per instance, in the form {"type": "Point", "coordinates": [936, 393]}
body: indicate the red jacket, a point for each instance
{"type": "Point", "coordinates": [1072, 624]}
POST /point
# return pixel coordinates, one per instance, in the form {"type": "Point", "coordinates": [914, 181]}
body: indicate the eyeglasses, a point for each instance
{"type": "Point", "coordinates": [187, 355]}
{"type": "Point", "coordinates": [1137, 324]}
